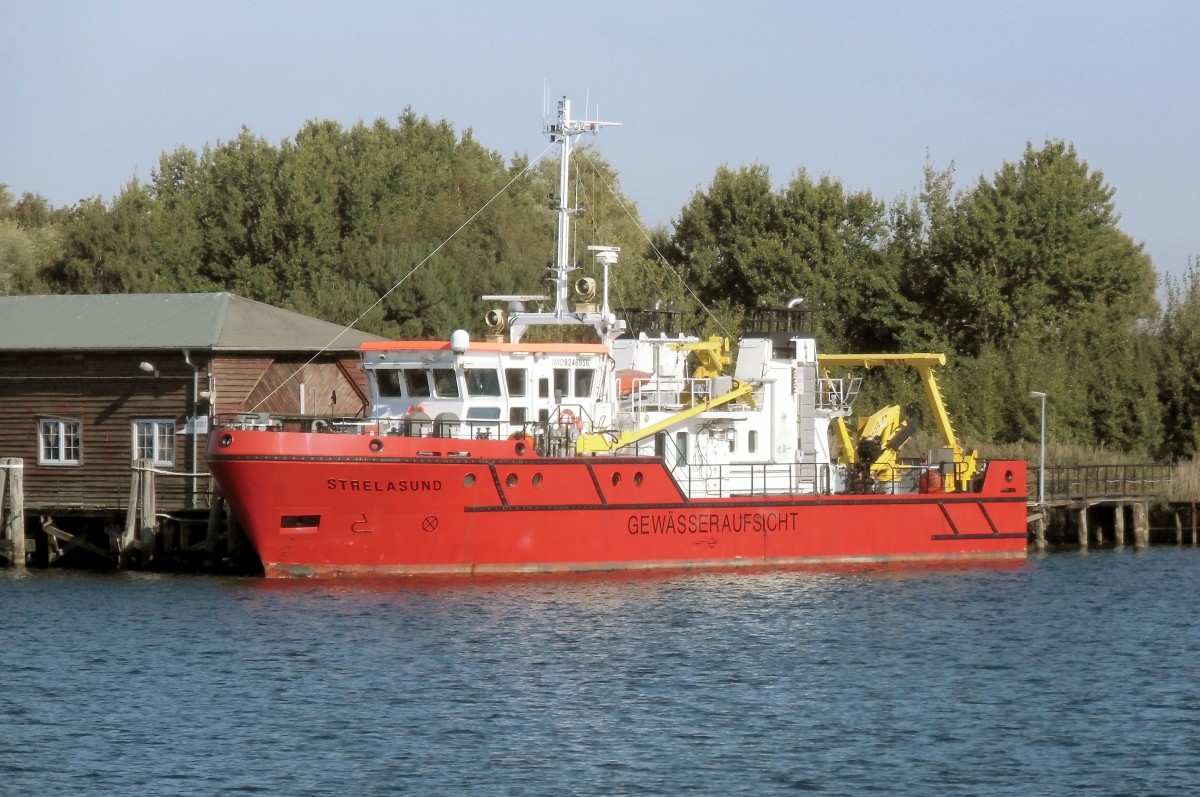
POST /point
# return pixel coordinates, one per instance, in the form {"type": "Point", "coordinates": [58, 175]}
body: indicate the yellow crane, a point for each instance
{"type": "Point", "coordinates": [965, 462]}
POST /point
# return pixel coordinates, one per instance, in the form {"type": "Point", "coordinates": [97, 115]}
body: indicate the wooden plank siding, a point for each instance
{"type": "Point", "coordinates": [106, 393]}
{"type": "Point", "coordinates": [334, 385]}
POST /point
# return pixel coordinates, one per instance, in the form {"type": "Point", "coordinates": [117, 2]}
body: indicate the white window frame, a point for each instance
{"type": "Point", "coordinates": [58, 432]}
{"type": "Point", "coordinates": [153, 427]}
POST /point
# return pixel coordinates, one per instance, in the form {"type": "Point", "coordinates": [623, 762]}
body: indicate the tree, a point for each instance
{"type": "Point", "coordinates": [1032, 250]}
{"type": "Point", "coordinates": [1179, 367]}
{"type": "Point", "coordinates": [30, 238]}
{"type": "Point", "coordinates": [741, 245]}
{"type": "Point", "coordinates": [107, 249]}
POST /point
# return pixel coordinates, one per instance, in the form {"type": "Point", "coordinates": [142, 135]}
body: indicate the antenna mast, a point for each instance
{"type": "Point", "coordinates": [562, 132]}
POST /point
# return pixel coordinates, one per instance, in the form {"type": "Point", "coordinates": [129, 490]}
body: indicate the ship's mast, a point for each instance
{"type": "Point", "coordinates": [562, 131]}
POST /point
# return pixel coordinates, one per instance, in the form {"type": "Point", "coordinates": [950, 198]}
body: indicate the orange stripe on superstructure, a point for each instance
{"type": "Point", "coordinates": [443, 345]}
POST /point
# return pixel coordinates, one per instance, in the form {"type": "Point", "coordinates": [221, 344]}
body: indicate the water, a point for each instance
{"type": "Point", "coordinates": [1061, 674]}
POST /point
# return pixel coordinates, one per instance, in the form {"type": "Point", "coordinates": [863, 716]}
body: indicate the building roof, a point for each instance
{"type": "Point", "coordinates": [201, 321]}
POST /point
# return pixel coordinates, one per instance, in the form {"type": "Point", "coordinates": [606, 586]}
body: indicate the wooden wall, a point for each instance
{"type": "Point", "coordinates": [332, 386]}
{"type": "Point", "coordinates": [106, 392]}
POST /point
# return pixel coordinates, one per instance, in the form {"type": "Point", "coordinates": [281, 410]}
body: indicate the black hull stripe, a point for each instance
{"type": "Point", "coordinates": [764, 504]}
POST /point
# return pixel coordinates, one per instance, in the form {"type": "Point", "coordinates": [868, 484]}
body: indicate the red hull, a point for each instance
{"type": "Point", "coordinates": [327, 504]}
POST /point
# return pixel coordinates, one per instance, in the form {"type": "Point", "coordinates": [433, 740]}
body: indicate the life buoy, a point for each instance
{"type": "Point", "coordinates": [568, 418]}
{"type": "Point", "coordinates": [414, 408]}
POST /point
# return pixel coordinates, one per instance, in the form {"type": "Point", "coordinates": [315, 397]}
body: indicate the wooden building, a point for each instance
{"type": "Point", "coordinates": [89, 385]}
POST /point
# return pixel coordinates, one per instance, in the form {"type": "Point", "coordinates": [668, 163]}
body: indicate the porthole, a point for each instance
{"type": "Point", "coordinates": [1008, 475]}
{"type": "Point", "coordinates": [637, 478]}
{"type": "Point", "coordinates": [537, 480]}
{"type": "Point", "coordinates": [519, 448]}
{"type": "Point", "coordinates": [226, 440]}
{"type": "Point", "coordinates": [376, 445]}
{"type": "Point", "coordinates": [469, 480]}
{"type": "Point", "coordinates": [616, 479]}
{"type": "Point", "coordinates": [511, 481]}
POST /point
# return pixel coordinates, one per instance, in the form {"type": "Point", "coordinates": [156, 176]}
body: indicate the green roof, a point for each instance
{"type": "Point", "coordinates": [202, 321]}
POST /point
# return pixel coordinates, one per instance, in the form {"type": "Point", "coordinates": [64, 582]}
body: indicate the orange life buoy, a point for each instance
{"type": "Point", "coordinates": [414, 408]}
{"type": "Point", "coordinates": [568, 418]}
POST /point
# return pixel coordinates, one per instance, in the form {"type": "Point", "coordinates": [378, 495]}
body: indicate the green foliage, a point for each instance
{"type": "Point", "coordinates": [1178, 391]}
{"type": "Point", "coordinates": [107, 249]}
{"type": "Point", "coordinates": [1033, 250]}
{"type": "Point", "coordinates": [744, 244]}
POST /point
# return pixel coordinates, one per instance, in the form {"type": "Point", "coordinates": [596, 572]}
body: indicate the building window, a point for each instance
{"type": "Point", "coordinates": [154, 440]}
{"type": "Point", "coordinates": [60, 441]}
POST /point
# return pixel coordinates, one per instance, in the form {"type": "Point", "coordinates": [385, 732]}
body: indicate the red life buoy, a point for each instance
{"type": "Point", "coordinates": [568, 418]}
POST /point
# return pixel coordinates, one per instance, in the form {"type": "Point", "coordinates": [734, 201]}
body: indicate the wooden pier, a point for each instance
{"type": "Point", "coordinates": [1099, 505]}
{"type": "Point", "coordinates": [139, 536]}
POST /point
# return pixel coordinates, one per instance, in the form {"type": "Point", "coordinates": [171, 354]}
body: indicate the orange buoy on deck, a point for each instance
{"type": "Point", "coordinates": [930, 481]}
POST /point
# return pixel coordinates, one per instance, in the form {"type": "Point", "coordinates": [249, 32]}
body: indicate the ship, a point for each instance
{"type": "Point", "coordinates": [642, 447]}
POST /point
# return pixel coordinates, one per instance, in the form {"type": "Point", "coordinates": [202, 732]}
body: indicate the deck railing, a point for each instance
{"type": "Point", "coordinates": [1083, 482]}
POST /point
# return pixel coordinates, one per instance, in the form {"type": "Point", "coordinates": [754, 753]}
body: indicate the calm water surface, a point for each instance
{"type": "Point", "coordinates": [1064, 674]}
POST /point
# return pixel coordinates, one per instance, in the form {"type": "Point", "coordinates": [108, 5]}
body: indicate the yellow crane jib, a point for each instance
{"type": "Point", "coordinates": [600, 442]}
{"type": "Point", "coordinates": [965, 462]}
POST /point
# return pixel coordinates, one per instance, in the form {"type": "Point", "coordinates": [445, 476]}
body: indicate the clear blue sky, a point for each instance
{"type": "Point", "coordinates": [91, 93]}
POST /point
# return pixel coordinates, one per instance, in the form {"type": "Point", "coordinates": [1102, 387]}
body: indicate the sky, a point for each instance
{"type": "Point", "coordinates": [93, 93]}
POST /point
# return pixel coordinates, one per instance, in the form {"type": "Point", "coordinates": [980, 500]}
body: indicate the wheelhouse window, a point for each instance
{"type": "Point", "coordinates": [416, 383]}
{"type": "Point", "coordinates": [445, 382]}
{"type": "Point", "coordinates": [60, 441]}
{"type": "Point", "coordinates": [514, 379]}
{"type": "Point", "coordinates": [483, 382]}
{"type": "Point", "coordinates": [584, 378]}
{"type": "Point", "coordinates": [562, 382]}
{"type": "Point", "coordinates": [154, 439]}
{"type": "Point", "coordinates": [388, 380]}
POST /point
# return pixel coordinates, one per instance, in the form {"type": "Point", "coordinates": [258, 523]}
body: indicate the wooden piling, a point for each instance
{"type": "Point", "coordinates": [216, 511]}
{"type": "Point", "coordinates": [1083, 527]}
{"type": "Point", "coordinates": [1119, 524]}
{"type": "Point", "coordinates": [233, 534]}
{"type": "Point", "coordinates": [128, 540]}
{"type": "Point", "coordinates": [147, 520]}
{"type": "Point", "coordinates": [12, 483]}
{"type": "Point", "coordinates": [1039, 529]}
{"type": "Point", "coordinates": [1141, 526]}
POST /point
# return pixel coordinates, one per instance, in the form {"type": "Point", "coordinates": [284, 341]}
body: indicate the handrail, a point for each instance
{"type": "Point", "coordinates": [1082, 482]}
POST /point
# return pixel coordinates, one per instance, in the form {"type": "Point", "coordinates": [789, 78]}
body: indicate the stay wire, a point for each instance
{"type": "Point", "coordinates": [528, 167]}
{"type": "Point", "coordinates": [646, 234]}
